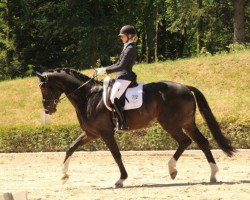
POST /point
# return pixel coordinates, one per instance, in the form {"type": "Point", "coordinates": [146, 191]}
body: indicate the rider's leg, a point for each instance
{"type": "Point", "coordinates": [118, 89]}
{"type": "Point", "coordinates": [119, 110]}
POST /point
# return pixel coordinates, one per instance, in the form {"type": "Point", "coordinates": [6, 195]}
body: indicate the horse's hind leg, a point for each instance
{"type": "Point", "coordinates": [82, 139]}
{"type": "Point", "coordinates": [203, 143]}
{"type": "Point", "coordinates": [183, 141]}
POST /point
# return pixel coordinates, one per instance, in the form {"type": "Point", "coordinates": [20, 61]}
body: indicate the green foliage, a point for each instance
{"type": "Point", "coordinates": [83, 34]}
{"type": "Point", "coordinates": [35, 139]}
{"type": "Point", "coordinates": [58, 138]}
{"type": "Point", "coordinates": [8, 58]}
{"type": "Point", "coordinates": [238, 47]}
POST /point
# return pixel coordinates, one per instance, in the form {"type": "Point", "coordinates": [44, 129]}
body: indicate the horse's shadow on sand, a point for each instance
{"type": "Point", "coordinates": [181, 184]}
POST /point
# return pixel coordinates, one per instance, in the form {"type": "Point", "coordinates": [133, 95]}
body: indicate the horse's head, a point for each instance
{"type": "Point", "coordinates": [50, 93]}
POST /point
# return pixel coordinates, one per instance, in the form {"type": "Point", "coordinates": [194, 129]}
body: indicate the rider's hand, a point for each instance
{"type": "Point", "coordinates": [100, 71]}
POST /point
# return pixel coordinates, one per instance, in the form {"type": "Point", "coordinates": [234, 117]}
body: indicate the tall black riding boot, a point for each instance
{"type": "Point", "coordinates": [121, 122]}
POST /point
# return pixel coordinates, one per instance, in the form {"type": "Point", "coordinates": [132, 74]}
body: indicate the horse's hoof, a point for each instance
{"type": "Point", "coordinates": [119, 183]}
{"type": "Point", "coordinates": [213, 180]}
{"type": "Point", "coordinates": [173, 174]}
{"type": "Point", "coordinates": [65, 178]}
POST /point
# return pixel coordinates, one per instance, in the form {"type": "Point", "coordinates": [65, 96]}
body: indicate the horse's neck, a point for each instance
{"type": "Point", "coordinates": [67, 82]}
{"type": "Point", "coordinates": [75, 89]}
{"type": "Point", "coordinates": [77, 92]}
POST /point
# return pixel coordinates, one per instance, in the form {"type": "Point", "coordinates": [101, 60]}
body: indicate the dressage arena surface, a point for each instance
{"type": "Point", "coordinates": [93, 174]}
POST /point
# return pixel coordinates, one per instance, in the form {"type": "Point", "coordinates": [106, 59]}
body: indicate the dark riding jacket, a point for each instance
{"type": "Point", "coordinates": [123, 67]}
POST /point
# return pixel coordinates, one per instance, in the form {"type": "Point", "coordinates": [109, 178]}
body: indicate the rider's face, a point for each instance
{"type": "Point", "coordinates": [124, 38]}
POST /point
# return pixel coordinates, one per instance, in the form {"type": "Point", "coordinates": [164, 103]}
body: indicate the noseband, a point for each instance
{"type": "Point", "coordinates": [55, 101]}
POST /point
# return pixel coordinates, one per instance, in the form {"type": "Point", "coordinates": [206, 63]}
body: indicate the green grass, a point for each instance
{"type": "Point", "coordinates": [223, 79]}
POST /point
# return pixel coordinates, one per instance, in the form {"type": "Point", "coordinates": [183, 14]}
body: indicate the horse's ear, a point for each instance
{"type": "Point", "coordinates": [40, 76]}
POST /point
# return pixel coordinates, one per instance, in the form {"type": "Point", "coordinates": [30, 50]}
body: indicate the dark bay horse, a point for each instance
{"type": "Point", "coordinates": [172, 105]}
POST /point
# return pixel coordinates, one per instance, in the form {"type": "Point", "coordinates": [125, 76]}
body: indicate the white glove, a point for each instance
{"type": "Point", "coordinates": [100, 71]}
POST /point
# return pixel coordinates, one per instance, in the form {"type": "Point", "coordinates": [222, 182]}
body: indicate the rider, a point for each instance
{"type": "Point", "coordinates": [123, 69]}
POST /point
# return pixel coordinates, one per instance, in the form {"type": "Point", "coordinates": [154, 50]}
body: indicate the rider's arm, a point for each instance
{"type": "Point", "coordinates": [125, 60]}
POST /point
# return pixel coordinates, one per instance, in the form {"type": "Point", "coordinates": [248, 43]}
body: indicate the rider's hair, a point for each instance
{"type": "Point", "coordinates": [133, 37]}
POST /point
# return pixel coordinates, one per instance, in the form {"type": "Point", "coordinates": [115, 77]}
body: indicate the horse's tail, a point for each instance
{"type": "Point", "coordinates": [213, 125]}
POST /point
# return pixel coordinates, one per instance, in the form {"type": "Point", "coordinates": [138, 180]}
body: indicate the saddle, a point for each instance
{"type": "Point", "coordinates": [132, 97]}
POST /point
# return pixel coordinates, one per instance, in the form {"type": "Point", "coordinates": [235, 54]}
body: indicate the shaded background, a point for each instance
{"type": "Point", "coordinates": [82, 34]}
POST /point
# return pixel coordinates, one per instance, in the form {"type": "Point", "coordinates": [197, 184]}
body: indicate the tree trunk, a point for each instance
{"type": "Point", "coordinates": [162, 38]}
{"type": "Point", "coordinates": [150, 31]}
{"type": "Point", "coordinates": [239, 21]}
{"type": "Point", "coordinates": [95, 6]}
{"type": "Point", "coordinates": [156, 34]}
{"type": "Point", "coordinates": [142, 54]}
{"type": "Point", "coordinates": [200, 29]}
{"type": "Point", "coordinates": [9, 34]}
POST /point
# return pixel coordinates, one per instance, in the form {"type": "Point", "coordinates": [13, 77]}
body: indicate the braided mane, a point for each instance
{"type": "Point", "coordinates": [74, 73]}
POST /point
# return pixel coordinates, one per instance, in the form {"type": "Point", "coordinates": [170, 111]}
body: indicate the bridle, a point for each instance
{"type": "Point", "coordinates": [54, 100]}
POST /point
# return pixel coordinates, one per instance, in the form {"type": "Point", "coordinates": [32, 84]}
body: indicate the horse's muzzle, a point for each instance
{"type": "Point", "coordinates": [50, 111]}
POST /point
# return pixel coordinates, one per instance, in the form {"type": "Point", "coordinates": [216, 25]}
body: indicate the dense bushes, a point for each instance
{"type": "Point", "coordinates": [57, 138]}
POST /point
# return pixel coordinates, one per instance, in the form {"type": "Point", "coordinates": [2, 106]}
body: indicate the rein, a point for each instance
{"type": "Point", "coordinates": [56, 101]}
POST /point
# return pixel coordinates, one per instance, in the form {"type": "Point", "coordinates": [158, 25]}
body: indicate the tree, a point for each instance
{"type": "Point", "coordinates": [239, 21]}
{"type": "Point", "coordinates": [200, 27]}
{"type": "Point", "coordinates": [82, 34]}
{"type": "Point", "coordinates": [8, 57]}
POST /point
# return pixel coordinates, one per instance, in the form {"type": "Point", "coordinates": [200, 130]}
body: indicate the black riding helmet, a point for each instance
{"type": "Point", "coordinates": [126, 30]}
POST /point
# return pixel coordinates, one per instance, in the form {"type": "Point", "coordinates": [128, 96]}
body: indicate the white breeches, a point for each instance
{"type": "Point", "coordinates": [118, 89]}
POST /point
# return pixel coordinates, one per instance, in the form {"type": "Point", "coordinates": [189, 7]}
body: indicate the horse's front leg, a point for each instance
{"type": "Point", "coordinates": [81, 140]}
{"type": "Point", "coordinates": [113, 147]}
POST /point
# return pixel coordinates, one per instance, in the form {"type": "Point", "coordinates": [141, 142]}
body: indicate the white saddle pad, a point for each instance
{"type": "Point", "coordinates": [134, 97]}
